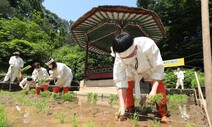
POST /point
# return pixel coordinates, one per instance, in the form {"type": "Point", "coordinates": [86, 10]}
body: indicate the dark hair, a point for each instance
{"type": "Point", "coordinates": [29, 79]}
{"type": "Point", "coordinates": [122, 42]}
{"type": "Point", "coordinates": [36, 65]}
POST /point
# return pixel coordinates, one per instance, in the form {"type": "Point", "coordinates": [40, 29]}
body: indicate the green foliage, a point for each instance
{"type": "Point", "coordinates": [68, 97]}
{"type": "Point", "coordinates": [41, 81]}
{"type": "Point", "coordinates": [155, 99]}
{"type": "Point", "coordinates": [55, 96]}
{"type": "Point", "coordinates": [74, 122]}
{"type": "Point", "coordinates": [155, 123]}
{"type": "Point", "coordinates": [45, 94]}
{"type": "Point", "coordinates": [200, 78]}
{"type": "Point", "coordinates": [92, 97]}
{"type": "Point", "coordinates": [91, 123]}
{"type": "Point", "coordinates": [33, 91]}
{"type": "Point", "coordinates": [113, 99]}
{"type": "Point", "coordinates": [42, 106]}
{"type": "Point", "coordinates": [62, 118]}
{"type": "Point", "coordinates": [74, 57]}
{"type": "Point", "coordinates": [135, 119]}
{"type": "Point", "coordinates": [177, 99]}
{"type": "Point", "coordinates": [26, 92]}
{"type": "Point", "coordinates": [3, 117]}
{"type": "Point", "coordinates": [189, 78]}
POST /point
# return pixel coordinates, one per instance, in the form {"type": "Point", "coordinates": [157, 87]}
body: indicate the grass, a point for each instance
{"type": "Point", "coordinates": [177, 99]}
{"type": "Point", "coordinates": [42, 106]}
{"type": "Point", "coordinates": [3, 117]}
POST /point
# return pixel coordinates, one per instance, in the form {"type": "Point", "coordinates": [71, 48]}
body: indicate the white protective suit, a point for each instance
{"type": "Point", "coordinates": [63, 74]}
{"type": "Point", "coordinates": [24, 84]}
{"type": "Point", "coordinates": [180, 78]}
{"type": "Point", "coordinates": [149, 65]}
{"type": "Point", "coordinates": [15, 66]}
{"type": "Point", "coordinates": [42, 73]}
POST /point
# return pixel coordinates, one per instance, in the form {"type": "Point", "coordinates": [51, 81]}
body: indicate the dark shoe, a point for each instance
{"type": "Point", "coordinates": [122, 118]}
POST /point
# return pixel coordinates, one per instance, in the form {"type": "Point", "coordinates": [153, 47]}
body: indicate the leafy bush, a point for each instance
{"type": "Point", "coordinates": [189, 78]}
{"type": "Point", "coordinates": [33, 91]}
{"type": "Point", "coordinates": [177, 99]}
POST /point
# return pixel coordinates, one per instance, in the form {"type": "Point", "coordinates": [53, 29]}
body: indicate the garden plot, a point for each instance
{"type": "Point", "coordinates": [25, 109]}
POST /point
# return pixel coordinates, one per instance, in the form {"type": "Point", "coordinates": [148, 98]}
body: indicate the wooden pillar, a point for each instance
{"type": "Point", "coordinates": [207, 55]}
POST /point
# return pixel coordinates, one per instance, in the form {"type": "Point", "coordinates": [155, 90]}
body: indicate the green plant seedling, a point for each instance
{"type": "Point", "coordinates": [155, 123]}
{"type": "Point", "coordinates": [91, 123]}
{"type": "Point", "coordinates": [45, 94]}
{"type": "Point", "coordinates": [155, 99]}
{"type": "Point", "coordinates": [62, 118]}
{"type": "Point", "coordinates": [68, 97]}
{"type": "Point", "coordinates": [135, 119]}
{"type": "Point", "coordinates": [32, 91]}
{"type": "Point", "coordinates": [74, 122]}
{"type": "Point", "coordinates": [26, 92]}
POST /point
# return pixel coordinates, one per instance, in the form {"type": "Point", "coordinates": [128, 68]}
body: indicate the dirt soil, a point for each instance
{"type": "Point", "coordinates": [101, 114]}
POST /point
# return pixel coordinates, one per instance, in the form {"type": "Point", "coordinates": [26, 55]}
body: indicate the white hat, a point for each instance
{"type": "Point", "coordinates": [16, 53]}
{"type": "Point", "coordinates": [50, 61]}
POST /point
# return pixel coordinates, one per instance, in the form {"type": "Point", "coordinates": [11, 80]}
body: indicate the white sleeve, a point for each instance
{"type": "Point", "coordinates": [119, 73]}
{"type": "Point", "coordinates": [155, 59]}
{"type": "Point", "coordinates": [11, 61]}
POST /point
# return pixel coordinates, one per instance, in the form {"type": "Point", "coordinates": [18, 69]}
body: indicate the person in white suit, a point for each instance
{"type": "Point", "coordinates": [61, 73]}
{"type": "Point", "coordinates": [27, 83]}
{"type": "Point", "coordinates": [135, 59]}
{"type": "Point", "coordinates": [16, 63]}
{"type": "Point", "coordinates": [180, 78]}
{"type": "Point", "coordinates": [40, 74]}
